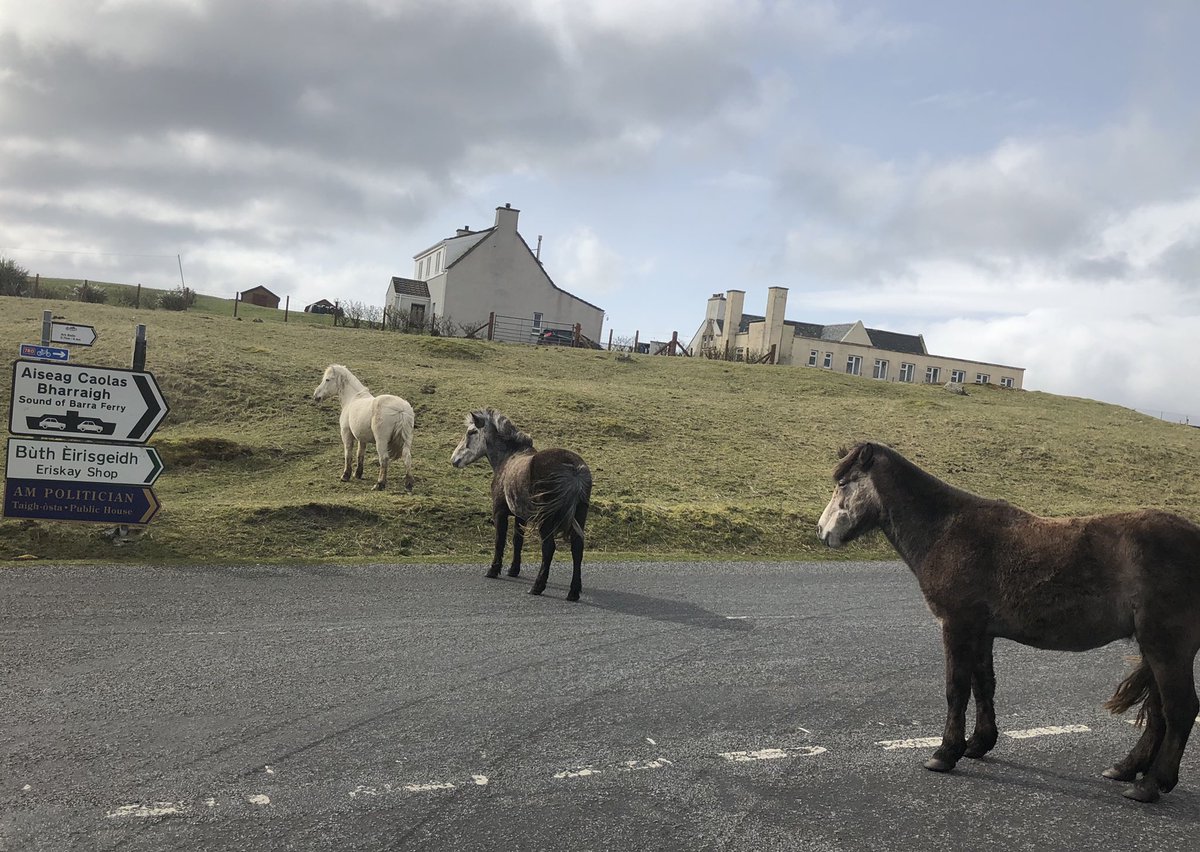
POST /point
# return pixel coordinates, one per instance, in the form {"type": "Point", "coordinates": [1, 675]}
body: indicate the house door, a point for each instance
{"type": "Point", "coordinates": [416, 315]}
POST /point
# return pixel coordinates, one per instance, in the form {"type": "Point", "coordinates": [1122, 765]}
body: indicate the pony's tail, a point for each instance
{"type": "Point", "coordinates": [566, 490]}
{"type": "Point", "coordinates": [1135, 689]}
{"type": "Point", "coordinates": [400, 439]}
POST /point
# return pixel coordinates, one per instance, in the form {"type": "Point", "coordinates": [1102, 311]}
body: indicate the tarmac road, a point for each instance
{"type": "Point", "coordinates": [680, 706]}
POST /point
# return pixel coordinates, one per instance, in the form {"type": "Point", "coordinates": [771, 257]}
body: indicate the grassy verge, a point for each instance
{"type": "Point", "coordinates": [689, 456]}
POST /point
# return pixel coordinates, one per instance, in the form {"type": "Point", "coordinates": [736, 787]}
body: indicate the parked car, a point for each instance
{"type": "Point", "coordinates": [51, 423]}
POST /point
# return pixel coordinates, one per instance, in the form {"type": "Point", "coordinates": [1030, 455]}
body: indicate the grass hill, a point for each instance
{"type": "Point", "coordinates": [689, 456]}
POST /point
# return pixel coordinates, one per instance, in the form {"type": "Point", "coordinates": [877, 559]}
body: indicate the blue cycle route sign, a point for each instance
{"type": "Point", "coordinates": [89, 502]}
{"type": "Point", "coordinates": [46, 353]}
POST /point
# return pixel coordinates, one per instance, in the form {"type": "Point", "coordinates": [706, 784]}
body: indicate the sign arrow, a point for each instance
{"type": "Point", "coordinates": [118, 464]}
{"type": "Point", "coordinates": [78, 335]}
{"type": "Point", "coordinates": [83, 402]}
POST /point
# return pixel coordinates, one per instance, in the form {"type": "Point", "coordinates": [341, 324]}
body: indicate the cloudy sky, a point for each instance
{"type": "Point", "coordinates": [1018, 181]}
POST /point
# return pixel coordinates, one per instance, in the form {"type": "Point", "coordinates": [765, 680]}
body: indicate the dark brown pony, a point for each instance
{"type": "Point", "coordinates": [988, 569]}
{"type": "Point", "coordinates": [548, 491]}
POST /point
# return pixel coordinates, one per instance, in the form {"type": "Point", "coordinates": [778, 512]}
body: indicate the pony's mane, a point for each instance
{"type": "Point", "coordinates": [504, 428]}
{"type": "Point", "coordinates": [848, 457]}
{"type": "Point", "coordinates": [345, 375]}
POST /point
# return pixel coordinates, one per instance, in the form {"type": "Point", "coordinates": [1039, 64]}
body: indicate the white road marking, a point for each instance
{"type": "Point", "coordinates": [1028, 733]}
{"type": "Point", "coordinates": [212, 803]}
{"type": "Point", "coordinates": [641, 765]}
{"type": "Point", "coordinates": [268, 770]}
{"type": "Point", "coordinates": [144, 811]}
{"type": "Point", "coordinates": [26, 788]}
{"type": "Point", "coordinates": [259, 799]}
{"type": "Point", "coordinates": [756, 617]}
{"type": "Point", "coordinates": [915, 742]}
{"type": "Point", "coordinates": [480, 780]}
{"type": "Point", "coordinates": [772, 753]}
{"type": "Point", "coordinates": [579, 772]}
{"type": "Point", "coordinates": [652, 742]}
{"type": "Point", "coordinates": [1051, 731]}
{"type": "Point", "coordinates": [428, 788]}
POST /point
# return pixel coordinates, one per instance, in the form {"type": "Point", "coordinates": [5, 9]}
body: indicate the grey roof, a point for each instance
{"type": "Point", "coordinates": [911, 344]}
{"type": "Point", "coordinates": [410, 287]}
{"type": "Point", "coordinates": [893, 341]}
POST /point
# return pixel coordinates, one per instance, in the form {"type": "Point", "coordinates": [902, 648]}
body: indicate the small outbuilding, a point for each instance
{"type": "Point", "coordinates": [322, 306]}
{"type": "Point", "coordinates": [259, 296]}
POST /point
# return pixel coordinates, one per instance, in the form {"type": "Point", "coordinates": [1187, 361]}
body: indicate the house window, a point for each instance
{"type": "Point", "coordinates": [416, 316]}
{"type": "Point", "coordinates": [1006, 381]}
{"type": "Point", "coordinates": [828, 365]}
{"type": "Point", "coordinates": [854, 365]}
{"type": "Point", "coordinates": [907, 371]}
{"type": "Point", "coordinates": [537, 319]}
{"type": "Point", "coordinates": [959, 376]}
{"type": "Point", "coordinates": [812, 357]}
{"type": "Point", "coordinates": [933, 375]}
{"type": "Point", "coordinates": [881, 367]}
{"type": "Point", "coordinates": [982, 378]}
{"type": "Point", "coordinates": [438, 262]}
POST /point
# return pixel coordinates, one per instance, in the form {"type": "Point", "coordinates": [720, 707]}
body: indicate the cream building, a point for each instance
{"type": "Point", "coordinates": [474, 273]}
{"type": "Point", "coordinates": [727, 331]}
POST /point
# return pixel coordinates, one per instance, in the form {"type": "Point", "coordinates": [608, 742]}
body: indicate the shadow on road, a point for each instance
{"type": "Point", "coordinates": [661, 609]}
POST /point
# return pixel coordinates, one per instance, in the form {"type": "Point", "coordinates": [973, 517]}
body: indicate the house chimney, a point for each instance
{"type": "Point", "coordinates": [463, 231]}
{"type": "Point", "coordinates": [538, 254]}
{"type": "Point", "coordinates": [776, 305]}
{"type": "Point", "coordinates": [734, 299]}
{"type": "Point", "coordinates": [506, 218]}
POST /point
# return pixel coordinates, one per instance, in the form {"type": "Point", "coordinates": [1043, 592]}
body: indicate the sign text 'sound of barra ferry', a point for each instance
{"type": "Point", "coordinates": [75, 501]}
{"type": "Point", "coordinates": [78, 401]}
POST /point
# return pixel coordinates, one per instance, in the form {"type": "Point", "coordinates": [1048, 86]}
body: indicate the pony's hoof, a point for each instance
{"type": "Point", "coordinates": [408, 484]}
{"type": "Point", "coordinates": [1114, 773]}
{"type": "Point", "coordinates": [514, 572]}
{"type": "Point", "coordinates": [572, 596]}
{"type": "Point", "coordinates": [977, 749]}
{"type": "Point", "coordinates": [536, 591]}
{"type": "Point", "coordinates": [378, 486]}
{"type": "Point", "coordinates": [492, 573]}
{"type": "Point", "coordinates": [1143, 792]}
{"type": "Point", "coordinates": [937, 764]}
{"type": "Point", "coordinates": [345, 477]}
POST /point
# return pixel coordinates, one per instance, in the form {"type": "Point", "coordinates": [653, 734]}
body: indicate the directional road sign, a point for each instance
{"type": "Point", "coordinates": [46, 353]}
{"type": "Point", "coordinates": [74, 501]}
{"type": "Point", "coordinates": [78, 401]}
{"type": "Point", "coordinates": [76, 335]}
{"type": "Point", "coordinates": [78, 462]}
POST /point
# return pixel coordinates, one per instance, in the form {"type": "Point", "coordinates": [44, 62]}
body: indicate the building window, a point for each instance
{"type": "Point", "coordinates": [933, 375]}
{"type": "Point", "coordinates": [438, 262]}
{"type": "Point", "coordinates": [537, 319]}
{"type": "Point", "coordinates": [907, 371]}
{"type": "Point", "coordinates": [812, 357]}
{"type": "Point", "coordinates": [854, 365]}
{"type": "Point", "coordinates": [416, 316]}
{"type": "Point", "coordinates": [828, 365]}
{"type": "Point", "coordinates": [1006, 381]}
{"type": "Point", "coordinates": [880, 369]}
{"type": "Point", "coordinates": [959, 376]}
{"type": "Point", "coordinates": [982, 378]}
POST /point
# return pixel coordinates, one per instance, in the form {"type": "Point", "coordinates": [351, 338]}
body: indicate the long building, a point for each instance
{"type": "Point", "coordinates": [728, 332]}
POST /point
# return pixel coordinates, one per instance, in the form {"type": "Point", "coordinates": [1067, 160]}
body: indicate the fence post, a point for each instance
{"type": "Point", "coordinates": [492, 325]}
{"type": "Point", "coordinates": [137, 300]}
{"type": "Point", "coordinates": [237, 297]}
{"type": "Point", "coordinates": [139, 348]}
{"type": "Point", "coordinates": [287, 301]}
{"type": "Point", "coordinates": [674, 350]}
{"type": "Point", "coordinates": [635, 341]}
{"type": "Point", "coordinates": [577, 332]}
{"type": "Point", "coordinates": [610, 340]}
{"type": "Point", "coordinates": [37, 281]}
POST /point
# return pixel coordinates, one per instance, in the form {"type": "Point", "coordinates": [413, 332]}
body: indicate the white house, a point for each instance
{"type": "Point", "coordinates": [476, 273]}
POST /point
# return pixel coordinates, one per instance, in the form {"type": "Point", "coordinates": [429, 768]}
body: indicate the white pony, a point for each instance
{"type": "Point", "coordinates": [388, 419]}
